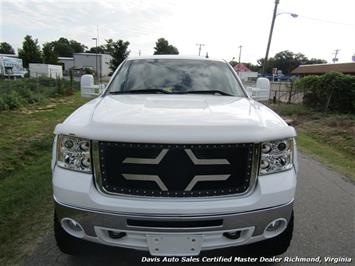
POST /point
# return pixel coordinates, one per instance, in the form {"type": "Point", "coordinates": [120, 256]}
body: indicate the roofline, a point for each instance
{"type": "Point", "coordinates": [329, 64]}
{"type": "Point", "coordinates": [93, 54]}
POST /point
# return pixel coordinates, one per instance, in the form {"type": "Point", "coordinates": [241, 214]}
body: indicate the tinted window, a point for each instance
{"type": "Point", "coordinates": [176, 76]}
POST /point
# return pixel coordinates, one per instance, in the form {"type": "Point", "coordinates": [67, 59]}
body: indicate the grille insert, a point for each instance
{"type": "Point", "coordinates": [174, 170]}
{"type": "Point", "coordinates": [174, 224]}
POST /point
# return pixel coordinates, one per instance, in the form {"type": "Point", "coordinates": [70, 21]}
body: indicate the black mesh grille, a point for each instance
{"type": "Point", "coordinates": [175, 170]}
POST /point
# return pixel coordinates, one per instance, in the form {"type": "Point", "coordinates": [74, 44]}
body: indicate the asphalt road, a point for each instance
{"type": "Point", "coordinates": [324, 226]}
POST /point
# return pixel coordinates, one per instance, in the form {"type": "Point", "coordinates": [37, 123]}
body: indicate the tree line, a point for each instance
{"type": "Point", "coordinates": [286, 61]}
{"type": "Point", "coordinates": [31, 52]}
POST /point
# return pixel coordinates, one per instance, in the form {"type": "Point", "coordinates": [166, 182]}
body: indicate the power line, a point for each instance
{"type": "Point", "coordinates": [327, 21]}
{"type": "Point", "coordinates": [323, 20]}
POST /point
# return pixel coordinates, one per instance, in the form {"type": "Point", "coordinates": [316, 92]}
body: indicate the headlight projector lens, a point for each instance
{"type": "Point", "coordinates": [276, 156]}
{"type": "Point", "coordinates": [73, 153]}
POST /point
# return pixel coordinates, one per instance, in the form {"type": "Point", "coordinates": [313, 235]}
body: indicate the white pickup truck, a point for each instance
{"type": "Point", "coordinates": [174, 157]}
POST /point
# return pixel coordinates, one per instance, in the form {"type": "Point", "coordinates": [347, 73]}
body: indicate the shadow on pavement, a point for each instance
{"type": "Point", "coordinates": [104, 255]}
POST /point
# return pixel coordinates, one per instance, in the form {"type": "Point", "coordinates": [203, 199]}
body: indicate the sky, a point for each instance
{"type": "Point", "coordinates": [222, 25]}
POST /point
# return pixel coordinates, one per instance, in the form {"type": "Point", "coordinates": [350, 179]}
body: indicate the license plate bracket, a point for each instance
{"type": "Point", "coordinates": [174, 244]}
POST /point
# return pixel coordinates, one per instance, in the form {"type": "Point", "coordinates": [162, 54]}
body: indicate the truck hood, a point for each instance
{"type": "Point", "coordinates": [175, 119]}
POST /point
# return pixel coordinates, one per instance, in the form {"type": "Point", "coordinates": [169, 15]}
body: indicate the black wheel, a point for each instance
{"type": "Point", "coordinates": [66, 243]}
{"type": "Point", "coordinates": [274, 246]}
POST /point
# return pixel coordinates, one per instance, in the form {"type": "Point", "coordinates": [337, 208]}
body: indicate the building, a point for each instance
{"type": "Point", "coordinates": [67, 63]}
{"type": "Point", "coordinates": [318, 69]}
{"type": "Point", "coordinates": [45, 70]}
{"type": "Point", "coordinates": [100, 63]}
{"type": "Point", "coordinates": [9, 55]}
{"type": "Point", "coordinates": [244, 73]}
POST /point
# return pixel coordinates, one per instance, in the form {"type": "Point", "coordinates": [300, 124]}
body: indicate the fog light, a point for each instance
{"type": "Point", "coordinates": [116, 235]}
{"type": "Point", "coordinates": [232, 235]}
{"type": "Point", "coordinates": [275, 228]}
{"type": "Point", "coordinates": [72, 227]}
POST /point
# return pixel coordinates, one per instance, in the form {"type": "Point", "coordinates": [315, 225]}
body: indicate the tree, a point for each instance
{"type": "Point", "coordinates": [270, 64]}
{"type": "Point", "coordinates": [118, 50]}
{"type": "Point", "coordinates": [100, 50]}
{"type": "Point", "coordinates": [316, 61]}
{"type": "Point", "coordinates": [162, 46]}
{"type": "Point", "coordinates": [30, 52]}
{"type": "Point", "coordinates": [49, 54]}
{"type": "Point", "coordinates": [6, 48]}
{"type": "Point", "coordinates": [77, 46]}
{"type": "Point", "coordinates": [62, 47]}
{"type": "Point", "coordinates": [66, 48]}
{"type": "Point", "coordinates": [286, 61]}
{"type": "Point", "coordinates": [252, 67]}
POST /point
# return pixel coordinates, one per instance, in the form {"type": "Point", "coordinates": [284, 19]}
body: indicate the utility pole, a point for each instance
{"type": "Point", "coordinates": [139, 53]}
{"type": "Point", "coordinates": [97, 73]}
{"type": "Point", "coordinates": [199, 48]}
{"type": "Point", "coordinates": [240, 52]}
{"type": "Point", "coordinates": [98, 42]}
{"type": "Point", "coordinates": [336, 52]}
{"type": "Point", "coordinates": [270, 36]}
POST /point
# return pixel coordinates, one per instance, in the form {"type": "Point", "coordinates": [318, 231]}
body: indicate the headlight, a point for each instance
{"type": "Point", "coordinates": [276, 156]}
{"type": "Point", "coordinates": [74, 153]}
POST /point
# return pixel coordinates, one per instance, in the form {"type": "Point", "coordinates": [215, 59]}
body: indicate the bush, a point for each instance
{"type": "Point", "coordinates": [17, 93]}
{"type": "Point", "coordinates": [331, 91]}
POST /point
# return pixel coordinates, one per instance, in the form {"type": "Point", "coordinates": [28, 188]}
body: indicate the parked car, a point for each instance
{"type": "Point", "coordinates": [174, 157]}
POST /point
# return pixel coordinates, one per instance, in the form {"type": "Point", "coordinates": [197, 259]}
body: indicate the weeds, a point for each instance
{"type": "Point", "coordinates": [15, 94]}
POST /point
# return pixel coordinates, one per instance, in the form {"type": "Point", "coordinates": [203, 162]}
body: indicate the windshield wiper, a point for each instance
{"type": "Point", "coordinates": [144, 91]}
{"type": "Point", "coordinates": [209, 92]}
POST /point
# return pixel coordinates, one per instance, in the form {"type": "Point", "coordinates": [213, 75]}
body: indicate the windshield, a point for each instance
{"type": "Point", "coordinates": [175, 76]}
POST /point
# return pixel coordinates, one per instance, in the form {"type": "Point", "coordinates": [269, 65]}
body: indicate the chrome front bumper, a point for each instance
{"type": "Point", "coordinates": [137, 227]}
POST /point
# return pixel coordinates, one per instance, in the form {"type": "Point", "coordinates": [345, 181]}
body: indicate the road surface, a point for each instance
{"type": "Point", "coordinates": [324, 226]}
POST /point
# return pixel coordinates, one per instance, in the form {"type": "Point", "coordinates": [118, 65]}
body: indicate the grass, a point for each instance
{"type": "Point", "coordinates": [326, 154]}
{"type": "Point", "coordinates": [330, 138]}
{"type": "Point", "coordinates": [25, 174]}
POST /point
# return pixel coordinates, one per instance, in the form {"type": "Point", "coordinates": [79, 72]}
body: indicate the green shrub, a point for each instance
{"type": "Point", "coordinates": [13, 100]}
{"type": "Point", "coordinates": [331, 91]}
{"type": "Point", "coordinates": [3, 104]}
{"type": "Point", "coordinates": [17, 93]}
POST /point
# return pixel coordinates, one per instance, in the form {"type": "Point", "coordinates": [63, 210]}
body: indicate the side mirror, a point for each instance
{"type": "Point", "coordinates": [88, 88]}
{"type": "Point", "coordinates": [262, 90]}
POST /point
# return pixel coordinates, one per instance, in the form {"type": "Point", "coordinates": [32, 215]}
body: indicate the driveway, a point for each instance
{"type": "Point", "coordinates": [324, 226]}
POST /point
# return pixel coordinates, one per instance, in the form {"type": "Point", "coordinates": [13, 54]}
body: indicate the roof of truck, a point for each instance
{"type": "Point", "coordinates": [175, 57]}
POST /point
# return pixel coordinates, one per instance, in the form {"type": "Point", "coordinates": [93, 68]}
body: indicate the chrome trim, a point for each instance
{"type": "Point", "coordinates": [138, 160]}
{"type": "Point", "coordinates": [153, 178]}
{"type": "Point", "coordinates": [90, 218]}
{"type": "Point", "coordinates": [197, 161]}
{"type": "Point", "coordinates": [98, 179]}
{"type": "Point", "coordinates": [200, 178]}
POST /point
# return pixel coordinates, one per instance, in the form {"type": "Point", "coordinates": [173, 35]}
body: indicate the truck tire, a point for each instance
{"type": "Point", "coordinates": [274, 246]}
{"type": "Point", "coordinates": [66, 243]}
